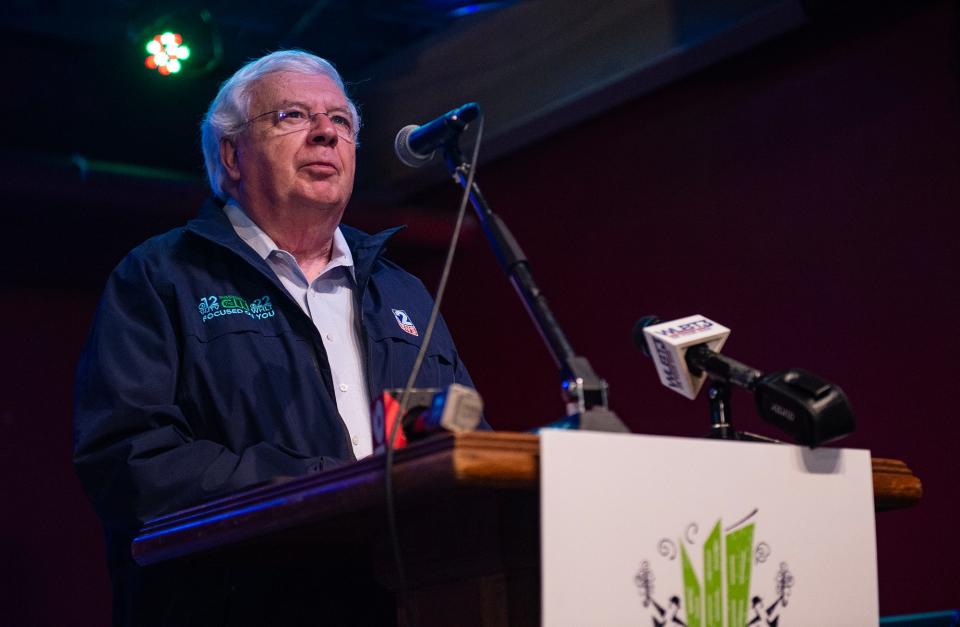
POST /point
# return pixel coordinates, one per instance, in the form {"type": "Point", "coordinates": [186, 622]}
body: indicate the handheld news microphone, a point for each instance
{"type": "Point", "coordinates": [685, 352]}
{"type": "Point", "coordinates": [415, 145]}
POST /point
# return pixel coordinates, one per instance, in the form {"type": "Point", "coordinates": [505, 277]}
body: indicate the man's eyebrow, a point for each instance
{"type": "Point", "coordinates": [292, 103]}
{"type": "Point", "coordinates": [297, 103]}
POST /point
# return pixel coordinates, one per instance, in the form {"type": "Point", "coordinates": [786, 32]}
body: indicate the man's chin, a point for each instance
{"type": "Point", "coordinates": [322, 203]}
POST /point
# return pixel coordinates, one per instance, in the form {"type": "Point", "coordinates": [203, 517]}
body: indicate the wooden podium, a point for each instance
{"type": "Point", "coordinates": [468, 518]}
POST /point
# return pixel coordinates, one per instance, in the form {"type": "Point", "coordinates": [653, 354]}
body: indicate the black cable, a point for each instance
{"type": "Point", "coordinates": [404, 398]}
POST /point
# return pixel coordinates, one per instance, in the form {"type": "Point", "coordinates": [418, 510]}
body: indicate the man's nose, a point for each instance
{"type": "Point", "coordinates": [323, 131]}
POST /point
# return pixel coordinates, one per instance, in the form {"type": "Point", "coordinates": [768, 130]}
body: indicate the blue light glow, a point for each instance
{"type": "Point", "coordinates": [470, 9]}
{"type": "Point", "coordinates": [212, 519]}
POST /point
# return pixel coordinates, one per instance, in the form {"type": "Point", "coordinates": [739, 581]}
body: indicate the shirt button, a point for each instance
{"type": "Point", "coordinates": [344, 387]}
{"type": "Point", "coordinates": [329, 337]}
{"type": "Point", "coordinates": [356, 440]}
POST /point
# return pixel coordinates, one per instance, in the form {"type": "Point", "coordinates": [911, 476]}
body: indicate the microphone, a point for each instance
{"type": "Point", "coordinates": [800, 403]}
{"type": "Point", "coordinates": [415, 145]}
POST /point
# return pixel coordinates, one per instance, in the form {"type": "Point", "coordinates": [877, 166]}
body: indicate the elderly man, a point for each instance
{"type": "Point", "coordinates": [247, 344]}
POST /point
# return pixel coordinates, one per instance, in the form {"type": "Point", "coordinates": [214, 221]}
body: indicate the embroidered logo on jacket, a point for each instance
{"type": "Point", "coordinates": [212, 307]}
{"type": "Point", "coordinates": [404, 321]}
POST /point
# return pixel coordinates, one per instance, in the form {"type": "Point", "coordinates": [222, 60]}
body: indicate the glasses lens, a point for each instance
{"type": "Point", "coordinates": [343, 124]}
{"type": "Point", "coordinates": [292, 119]}
{"type": "Point", "coordinates": [298, 119]}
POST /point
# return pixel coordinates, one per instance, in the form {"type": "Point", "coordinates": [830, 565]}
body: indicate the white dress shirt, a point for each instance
{"type": "Point", "coordinates": [330, 304]}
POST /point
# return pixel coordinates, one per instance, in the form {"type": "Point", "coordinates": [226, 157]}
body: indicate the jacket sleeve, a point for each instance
{"type": "Point", "coordinates": [134, 449]}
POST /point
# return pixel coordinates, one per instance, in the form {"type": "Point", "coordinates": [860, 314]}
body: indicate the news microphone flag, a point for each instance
{"type": "Point", "coordinates": [668, 343]}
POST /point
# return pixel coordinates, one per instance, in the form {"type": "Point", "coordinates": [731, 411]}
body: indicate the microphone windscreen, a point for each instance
{"type": "Point", "coordinates": [401, 146]}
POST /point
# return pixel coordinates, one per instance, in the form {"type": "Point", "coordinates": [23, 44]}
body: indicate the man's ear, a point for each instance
{"type": "Point", "coordinates": [229, 160]}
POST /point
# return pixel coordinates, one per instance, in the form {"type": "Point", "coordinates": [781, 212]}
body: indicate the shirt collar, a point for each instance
{"type": "Point", "coordinates": [257, 239]}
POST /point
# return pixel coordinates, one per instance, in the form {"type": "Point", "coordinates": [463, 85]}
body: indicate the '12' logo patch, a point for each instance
{"type": "Point", "coordinates": [404, 321]}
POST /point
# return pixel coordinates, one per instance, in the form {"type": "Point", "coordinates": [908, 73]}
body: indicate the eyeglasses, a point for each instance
{"type": "Point", "coordinates": [297, 119]}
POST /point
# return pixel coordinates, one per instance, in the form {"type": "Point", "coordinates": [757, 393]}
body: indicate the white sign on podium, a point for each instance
{"type": "Point", "coordinates": [646, 530]}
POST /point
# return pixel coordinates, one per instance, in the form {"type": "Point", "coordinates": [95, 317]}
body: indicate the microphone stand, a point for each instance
{"type": "Point", "coordinates": [721, 415]}
{"type": "Point", "coordinates": [721, 371]}
{"type": "Point", "coordinates": [583, 391]}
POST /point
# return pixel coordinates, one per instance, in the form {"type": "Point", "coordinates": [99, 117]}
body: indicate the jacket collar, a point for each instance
{"type": "Point", "coordinates": [212, 224]}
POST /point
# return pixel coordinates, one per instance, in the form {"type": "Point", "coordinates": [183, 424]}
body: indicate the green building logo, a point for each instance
{"type": "Point", "coordinates": [720, 596]}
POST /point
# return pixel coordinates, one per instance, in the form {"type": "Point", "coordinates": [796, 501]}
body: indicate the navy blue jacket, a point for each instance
{"type": "Point", "coordinates": [181, 397]}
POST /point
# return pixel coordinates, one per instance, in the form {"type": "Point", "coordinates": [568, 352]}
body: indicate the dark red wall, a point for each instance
{"type": "Point", "coordinates": [803, 194]}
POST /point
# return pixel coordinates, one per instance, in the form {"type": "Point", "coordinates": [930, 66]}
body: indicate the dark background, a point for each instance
{"type": "Point", "coordinates": [802, 193]}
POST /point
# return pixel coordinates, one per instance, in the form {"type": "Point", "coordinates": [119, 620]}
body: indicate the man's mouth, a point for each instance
{"type": "Point", "coordinates": [320, 167]}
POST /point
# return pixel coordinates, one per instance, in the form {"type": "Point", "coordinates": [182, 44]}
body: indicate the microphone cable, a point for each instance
{"type": "Point", "coordinates": [392, 529]}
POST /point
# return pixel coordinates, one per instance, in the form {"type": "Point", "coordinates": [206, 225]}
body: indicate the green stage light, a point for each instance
{"type": "Point", "coordinates": [194, 43]}
{"type": "Point", "coordinates": [167, 53]}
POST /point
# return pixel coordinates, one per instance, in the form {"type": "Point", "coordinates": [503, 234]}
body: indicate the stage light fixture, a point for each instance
{"type": "Point", "coordinates": [166, 53]}
{"type": "Point", "coordinates": [182, 42]}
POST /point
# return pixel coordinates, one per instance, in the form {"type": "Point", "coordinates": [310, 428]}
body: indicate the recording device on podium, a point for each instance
{"type": "Point", "coordinates": [455, 408]}
{"type": "Point", "coordinates": [686, 353]}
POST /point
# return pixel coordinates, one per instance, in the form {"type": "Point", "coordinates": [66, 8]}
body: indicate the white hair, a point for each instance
{"type": "Point", "coordinates": [230, 110]}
